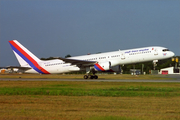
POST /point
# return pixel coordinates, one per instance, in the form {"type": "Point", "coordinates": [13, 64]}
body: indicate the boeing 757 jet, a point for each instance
{"type": "Point", "coordinates": [108, 61]}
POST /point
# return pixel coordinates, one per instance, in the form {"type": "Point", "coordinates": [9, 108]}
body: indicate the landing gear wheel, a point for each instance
{"type": "Point", "coordinates": [85, 77]}
{"type": "Point", "coordinates": [95, 77]}
{"type": "Point", "coordinates": [90, 77]}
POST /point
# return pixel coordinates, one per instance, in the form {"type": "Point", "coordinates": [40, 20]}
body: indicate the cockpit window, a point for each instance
{"type": "Point", "coordinates": [164, 50]}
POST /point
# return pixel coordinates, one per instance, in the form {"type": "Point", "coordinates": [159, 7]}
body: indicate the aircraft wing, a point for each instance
{"type": "Point", "coordinates": [78, 62]}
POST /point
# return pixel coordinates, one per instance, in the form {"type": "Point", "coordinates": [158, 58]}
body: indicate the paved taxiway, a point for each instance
{"type": "Point", "coordinates": [174, 79]}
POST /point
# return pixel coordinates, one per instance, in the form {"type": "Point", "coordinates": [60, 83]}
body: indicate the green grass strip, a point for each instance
{"type": "Point", "coordinates": [131, 91]}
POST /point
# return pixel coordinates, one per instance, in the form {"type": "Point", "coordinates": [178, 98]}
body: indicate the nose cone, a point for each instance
{"type": "Point", "coordinates": [172, 54]}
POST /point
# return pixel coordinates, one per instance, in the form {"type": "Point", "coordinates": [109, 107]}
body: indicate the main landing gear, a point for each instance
{"type": "Point", "coordinates": [90, 76]}
{"type": "Point", "coordinates": [92, 71]}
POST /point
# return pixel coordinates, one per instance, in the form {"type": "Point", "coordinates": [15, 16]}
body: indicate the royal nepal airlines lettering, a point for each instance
{"type": "Point", "coordinates": [133, 51]}
{"type": "Point", "coordinates": [27, 58]}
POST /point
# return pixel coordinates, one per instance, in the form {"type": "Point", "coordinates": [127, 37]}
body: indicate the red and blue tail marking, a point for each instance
{"type": "Point", "coordinates": [24, 55]}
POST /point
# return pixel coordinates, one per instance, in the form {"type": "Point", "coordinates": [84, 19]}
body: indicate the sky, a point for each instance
{"type": "Point", "coordinates": [55, 28]}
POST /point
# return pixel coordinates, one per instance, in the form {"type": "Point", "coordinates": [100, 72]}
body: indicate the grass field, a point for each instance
{"type": "Point", "coordinates": [89, 100]}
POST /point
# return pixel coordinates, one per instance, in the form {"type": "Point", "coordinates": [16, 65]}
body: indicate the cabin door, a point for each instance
{"type": "Point", "coordinates": [155, 51]}
{"type": "Point", "coordinates": [122, 56]}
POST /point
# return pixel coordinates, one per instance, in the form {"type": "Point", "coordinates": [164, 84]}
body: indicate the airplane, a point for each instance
{"type": "Point", "coordinates": [108, 61]}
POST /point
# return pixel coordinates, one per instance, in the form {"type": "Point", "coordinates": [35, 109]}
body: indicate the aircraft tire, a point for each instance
{"type": "Point", "coordinates": [90, 77]}
{"type": "Point", "coordinates": [85, 77]}
{"type": "Point", "coordinates": [95, 77]}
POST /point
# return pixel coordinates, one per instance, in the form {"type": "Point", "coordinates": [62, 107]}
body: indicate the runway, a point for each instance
{"type": "Point", "coordinates": [90, 80]}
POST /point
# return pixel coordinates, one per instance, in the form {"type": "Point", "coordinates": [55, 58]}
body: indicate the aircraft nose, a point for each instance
{"type": "Point", "coordinates": [172, 54]}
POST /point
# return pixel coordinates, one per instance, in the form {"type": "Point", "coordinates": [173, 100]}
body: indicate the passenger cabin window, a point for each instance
{"type": "Point", "coordinates": [164, 50]}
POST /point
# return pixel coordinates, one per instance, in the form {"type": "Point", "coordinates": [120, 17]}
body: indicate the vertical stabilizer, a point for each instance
{"type": "Point", "coordinates": [25, 57]}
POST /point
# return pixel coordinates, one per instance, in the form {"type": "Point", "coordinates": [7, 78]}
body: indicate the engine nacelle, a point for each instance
{"type": "Point", "coordinates": [103, 66]}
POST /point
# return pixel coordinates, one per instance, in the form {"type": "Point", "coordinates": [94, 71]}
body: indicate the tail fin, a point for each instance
{"type": "Point", "coordinates": [26, 58]}
{"type": "Point", "coordinates": [23, 55]}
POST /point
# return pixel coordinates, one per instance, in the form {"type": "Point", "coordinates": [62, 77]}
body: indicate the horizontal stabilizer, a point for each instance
{"type": "Point", "coordinates": [20, 68]}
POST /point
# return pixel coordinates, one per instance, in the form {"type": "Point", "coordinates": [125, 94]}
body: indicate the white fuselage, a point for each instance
{"type": "Point", "coordinates": [120, 57]}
